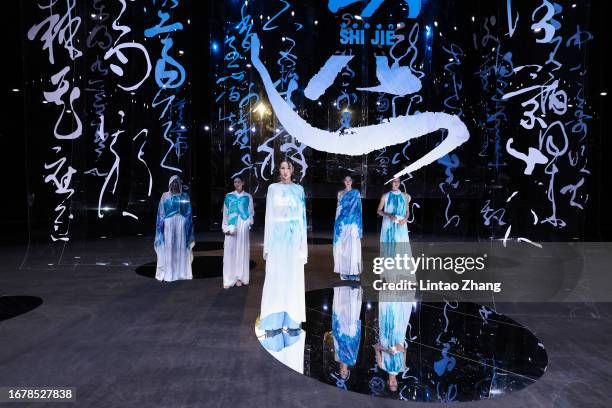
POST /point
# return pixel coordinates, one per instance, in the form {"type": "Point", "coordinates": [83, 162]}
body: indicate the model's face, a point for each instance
{"type": "Point", "coordinates": [174, 187]}
{"type": "Point", "coordinates": [395, 184]}
{"type": "Point", "coordinates": [238, 184]}
{"type": "Point", "coordinates": [393, 383]}
{"type": "Point", "coordinates": [348, 182]}
{"type": "Point", "coordinates": [285, 171]}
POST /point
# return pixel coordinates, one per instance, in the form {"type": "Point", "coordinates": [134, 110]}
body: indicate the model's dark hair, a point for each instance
{"type": "Point", "coordinates": [286, 160]}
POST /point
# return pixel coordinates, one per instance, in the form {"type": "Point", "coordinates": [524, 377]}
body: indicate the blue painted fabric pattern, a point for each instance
{"type": "Point", "coordinates": [347, 346]}
{"type": "Point", "coordinates": [349, 212]}
{"type": "Point", "coordinates": [169, 206]}
{"type": "Point", "coordinates": [237, 206]}
{"type": "Point", "coordinates": [391, 231]}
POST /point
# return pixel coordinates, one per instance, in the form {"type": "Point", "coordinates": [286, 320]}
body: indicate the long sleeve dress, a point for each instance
{"type": "Point", "coordinates": [237, 218]}
{"type": "Point", "coordinates": [174, 237]}
{"type": "Point", "coordinates": [285, 251]}
{"type": "Point", "coordinates": [346, 325]}
{"type": "Point", "coordinates": [348, 231]}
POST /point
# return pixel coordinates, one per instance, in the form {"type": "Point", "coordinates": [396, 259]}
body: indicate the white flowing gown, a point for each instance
{"type": "Point", "coordinates": [285, 251]}
{"type": "Point", "coordinates": [238, 218]}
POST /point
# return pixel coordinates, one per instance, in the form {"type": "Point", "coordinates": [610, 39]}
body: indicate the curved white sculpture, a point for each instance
{"type": "Point", "coordinates": [364, 139]}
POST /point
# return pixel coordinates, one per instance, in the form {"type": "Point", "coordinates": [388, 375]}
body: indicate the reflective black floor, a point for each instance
{"type": "Point", "coordinates": [208, 245]}
{"type": "Point", "coordinates": [203, 267]}
{"type": "Point", "coordinates": [13, 306]}
{"type": "Point", "coordinates": [453, 351]}
{"type": "Point", "coordinates": [320, 241]}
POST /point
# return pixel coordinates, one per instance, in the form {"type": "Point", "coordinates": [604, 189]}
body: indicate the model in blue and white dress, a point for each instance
{"type": "Point", "coordinates": [348, 231]}
{"type": "Point", "coordinates": [394, 307]}
{"type": "Point", "coordinates": [237, 220]}
{"type": "Point", "coordinates": [285, 251]}
{"type": "Point", "coordinates": [174, 235]}
{"type": "Point", "coordinates": [395, 210]}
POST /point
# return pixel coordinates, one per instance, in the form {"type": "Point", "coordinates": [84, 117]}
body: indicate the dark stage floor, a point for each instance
{"type": "Point", "coordinates": [123, 339]}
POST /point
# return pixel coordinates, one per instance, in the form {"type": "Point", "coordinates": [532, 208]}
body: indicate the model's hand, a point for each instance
{"type": "Point", "coordinates": [393, 218]}
{"type": "Point", "coordinates": [402, 221]}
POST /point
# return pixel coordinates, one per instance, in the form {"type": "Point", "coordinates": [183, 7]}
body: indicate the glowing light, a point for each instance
{"type": "Point", "coordinates": [262, 109]}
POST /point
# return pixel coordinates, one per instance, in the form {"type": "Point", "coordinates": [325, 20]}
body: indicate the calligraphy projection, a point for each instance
{"type": "Point", "coordinates": [57, 32]}
{"type": "Point", "coordinates": [468, 103]}
{"type": "Point", "coordinates": [107, 99]}
{"type": "Point", "coordinates": [170, 76]}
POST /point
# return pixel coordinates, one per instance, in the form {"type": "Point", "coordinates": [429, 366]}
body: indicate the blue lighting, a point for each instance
{"type": "Point", "coordinates": [214, 46]}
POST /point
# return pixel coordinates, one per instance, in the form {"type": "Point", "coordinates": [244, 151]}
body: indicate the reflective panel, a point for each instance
{"type": "Point", "coordinates": [419, 351]}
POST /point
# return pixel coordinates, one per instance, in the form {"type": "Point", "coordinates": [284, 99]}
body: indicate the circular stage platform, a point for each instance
{"type": "Point", "coordinates": [452, 351]}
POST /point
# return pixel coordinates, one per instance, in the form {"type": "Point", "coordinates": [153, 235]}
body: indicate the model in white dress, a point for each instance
{"type": "Point", "coordinates": [285, 251]}
{"type": "Point", "coordinates": [174, 236]}
{"type": "Point", "coordinates": [237, 220]}
{"type": "Point", "coordinates": [348, 231]}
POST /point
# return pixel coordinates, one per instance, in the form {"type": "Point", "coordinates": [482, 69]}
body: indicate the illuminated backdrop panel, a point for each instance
{"type": "Point", "coordinates": [481, 106]}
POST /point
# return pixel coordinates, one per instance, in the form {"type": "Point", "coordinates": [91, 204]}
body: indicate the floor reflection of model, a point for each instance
{"type": "Point", "coordinates": [437, 351]}
{"type": "Point", "coordinates": [346, 327]}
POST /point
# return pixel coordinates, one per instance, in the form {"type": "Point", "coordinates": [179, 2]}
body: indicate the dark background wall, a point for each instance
{"type": "Point", "coordinates": [27, 137]}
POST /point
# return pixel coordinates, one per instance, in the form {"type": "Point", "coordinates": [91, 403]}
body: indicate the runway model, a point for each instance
{"type": "Point", "coordinates": [174, 236]}
{"type": "Point", "coordinates": [394, 208]}
{"type": "Point", "coordinates": [285, 251]}
{"type": "Point", "coordinates": [348, 231]}
{"type": "Point", "coordinates": [237, 220]}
